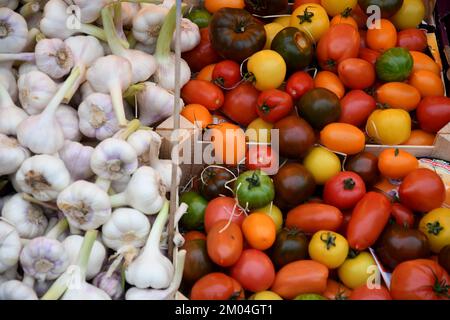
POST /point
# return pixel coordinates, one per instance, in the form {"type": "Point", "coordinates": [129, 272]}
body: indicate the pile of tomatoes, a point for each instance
{"type": "Point", "coordinates": [322, 225]}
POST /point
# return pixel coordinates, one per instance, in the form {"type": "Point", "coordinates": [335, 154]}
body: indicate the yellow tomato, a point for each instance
{"type": "Point", "coordinates": [259, 131]}
{"type": "Point", "coordinates": [322, 164]}
{"type": "Point", "coordinates": [265, 295]}
{"type": "Point", "coordinates": [356, 270]}
{"type": "Point", "coordinates": [284, 21]}
{"type": "Point", "coordinates": [390, 126]}
{"type": "Point", "coordinates": [436, 226]}
{"type": "Point", "coordinates": [268, 68]}
{"type": "Point", "coordinates": [271, 31]}
{"type": "Point", "coordinates": [328, 248]}
{"type": "Point", "coordinates": [334, 7]}
{"type": "Point", "coordinates": [275, 213]}
{"type": "Point", "coordinates": [410, 14]}
{"type": "Point", "coordinates": [312, 19]}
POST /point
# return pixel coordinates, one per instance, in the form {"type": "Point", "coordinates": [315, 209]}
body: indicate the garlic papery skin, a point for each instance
{"type": "Point", "coordinates": [72, 244]}
{"type": "Point", "coordinates": [128, 12]}
{"type": "Point", "coordinates": [10, 115]}
{"type": "Point", "coordinates": [77, 159]}
{"type": "Point", "coordinates": [86, 90]}
{"type": "Point", "coordinates": [190, 36]}
{"type": "Point", "coordinates": [145, 192]}
{"type": "Point", "coordinates": [28, 219]}
{"type": "Point", "coordinates": [97, 117]}
{"type": "Point", "coordinates": [27, 67]}
{"type": "Point", "coordinates": [9, 274]}
{"type": "Point", "coordinates": [120, 185]}
{"type": "Point", "coordinates": [155, 104]}
{"type": "Point", "coordinates": [115, 83]}
{"type": "Point", "coordinates": [67, 118]}
{"type": "Point", "coordinates": [8, 81]}
{"type": "Point", "coordinates": [148, 22]}
{"type": "Point", "coordinates": [54, 57]}
{"type": "Point", "coordinates": [16, 290]}
{"type": "Point", "coordinates": [12, 154]}
{"type": "Point", "coordinates": [44, 259]}
{"type": "Point", "coordinates": [151, 268]}
{"type": "Point", "coordinates": [36, 89]}
{"type": "Point", "coordinates": [43, 176]}
{"type": "Point", "coordinates": [13, 31]}
{"type": "Point", "coordinates": [85, 205]}
{"type": "Point", "coordinates": [165, 294]}
{"type": "Point", "coordinates": [112, 285]}
{"type": "Point", "coordinates": [150, 48]}
{"type": "Point", "coordinates": [113, 158]}
{"type": "Point", "coordinates": [85, 291]}
{"type": "Point", "coordinates": [11, 4]}
{"type": "Point", "coordinates": [140, 141]}
{"type": "Point", "coordinates": [10, 246]}
{"type": "Point", "coordinates": [89, 9]}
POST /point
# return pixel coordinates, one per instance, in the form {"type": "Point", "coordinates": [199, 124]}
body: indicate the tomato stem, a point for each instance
{"type": "Point", "coordinates": [306, 16]}
{"type": "Point", "coordinates": [253, 181]}
{"type": "Point", "coordinates": [434, 228]}
{"type": "Point", "coordinates": [349, 184]}
{"type": "Point", "coordinates": [441, 288]}
{"type": "Point", "coordinates": [352, 253]}
{"type": "Point", "coordinates": [347, 12]}
{"type": "Point", "coordinates": [265, 108]}
{"type": "Point", "coordinates": [330, 239]}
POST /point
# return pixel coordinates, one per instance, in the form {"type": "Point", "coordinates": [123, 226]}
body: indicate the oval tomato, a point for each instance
{"type": "Point", "coordinates": [330, 81]}
{"type": "Point", "coordinates": [382, 38]}
{"type": "Point", "coordinates": [420, 138]}
{"type": "Point", "coordinates": [433, 113]}
{"type": "Point", "coordinates": [217, 286]}
{"type": "Point", "coordinates": [226, 74]}
{"type": "Point", "coordinates": [368, 220]}
{"type": "Point", "coordinates": [336, 291]}
{"type": "Point", "coordinates": [428, 83]}
{"type": "Point", "coordinates": [193, 235]}
{"type": "Point", "coordinates": [365, 293]}
{"type": "Point", "coordinates": [356, 107]}
{"type": "Point", "coordinates": [259, 230]}
{"type": "Point", "coordinates": [240, 104]}
{"type": "Point", "coordinates": [396, 164]}
{"type": "Point", "coordinates": [399, 95]}
{"type": "Point", "coordinates": [215, 5]}
{"type": "Point", "coordinates": [229, 143]}
{"type": "Point", "coordinates": [254, 270]}
{"type": "Point", "coordinates": [412, 39]}
{"type": "Point", "coordinates": [313, 217]}
{"type": "Point", "coordinates": [356, 73]}
{"type": "Point", "coordinates": [203, 54]}
{"type": "Point", "coordinates": [344, 190]}
{"type": "Point", "coordinates": [424, 62]}
{"type": "Point", "coordinates": [203, 92]}
{"type": "Point", "coordinates": [261, 157]}
{"type": "Point", "coordinates": [343, 137]}
{"type": "Point", "coordinates": [298, 84]}
{"type": "Point", "coordinates": [402, 215]}
{"type": "Point", "coordinates": [369, 55]}
{"type": "Point", "coordinates": [224, 243]}
{"type": "Point", "coordinates": [206, 73]}
{"type": "Point", "coordinates": [220, 209]}
{"type": "Point", "coordinates": [390, 126]}
{"type": "Point", "coordinates": [273, 105]}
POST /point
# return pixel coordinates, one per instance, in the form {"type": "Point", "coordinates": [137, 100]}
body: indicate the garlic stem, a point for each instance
{"type": "Point", "coordinates": [32, 199]}
{"type": "Point", "coordinates": [94, 31]}
{"type": "Point", "coordinates": [24, 56]}
{"type": "Point", "coordinates": [118, 200]}
{"type": "Point", "coordinates": [110, 32]}
{"type": "Point", "coordinates": [28, 280]}
{"type": "Point", "coordinates": [134, 90]}
{"type": "Point", "coordinates": [165, 35]}
{"type": "Point", "coordinates": [116, 97]}
{"type": "Point", "coordinates": [30, 8]}
{"type": "Point", "coordinates": [58, 229]}
{"type": "Point", "coordinates": [104, 184]}
{"type": "Point", "coordinates": [132, 127]}
{"type": "Point", "coordinates": [158, 227]}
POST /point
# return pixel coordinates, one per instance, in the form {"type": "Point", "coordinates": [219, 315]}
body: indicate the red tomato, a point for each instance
{"type": "Point", "coordinates": [261, 157]}
{"type": "Point", "coordinates": [298, 3]}
{"type": "Point", "coordinates": [412, 39]}
{"type": "Point", "coordinates": [402, 215]}
{"type": "Point", "coordinates": [339, 43]}
{"type": "Point", "coordinates": [224, 243]}
{"type": "Point", "coordinates": [369, 55]}
{"type": "Point", "coordinates": [368, 220]}
{"type": "Point", "coordinates": [220, 209]}
{"type": "Point", "coordinates": [254, 270]}
{"type": "Point", "coordinates": [356, 73]}
{"type": "Point", "coordinates": [422, 190]}
{"type": "Point", "coordinates": [274, 105]}
{"type": "Point", "coordinates": [298, 84]}
{"type": "Point", "coordinates": [203, 54]}
{"type": "Point", "coordinates": [344, 226]}
{"type": "Point", "coordinates": [336, 291]}
{"type": "Point", "coordinates": [433, 113]}
{"type": "Point", "coordinates": [360, 17]}
{"type": "Point", "coordinates": [217, 286]}
{"type": "Point", "coordinates": [365, 293]}
{"type": "Point", "coordinates": [356, 107]}
{"type": "Point", "coordinates": [344, 190]}
{"type": "Point", "coordinates": [420, 279]}
{"type": "Point", "coordinates": [203, 92]}
{"type": "Point", "coordinates": [240, 104]}
{"type": "Point", "coordinates": [226, 74]}
{"type": "Point", "coordinates": [313, 217]}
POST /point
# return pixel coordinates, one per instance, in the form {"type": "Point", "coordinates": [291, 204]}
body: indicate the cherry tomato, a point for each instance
{"type": "Point", "coordinates": [356, 73]}
{"type": "Point", "coordinates": [194, 235]}
{"type": "Point", "coordinates": [336, 291]}
{"type": "Point", "coordinates": [311, 19]}
{"type": "Point", "coordinates": [330, 81]}
{"type": "Point", "coordinates": [433, 113]}
{"type": "Point", "coordinates": [228, 141]}
{"type": "Point", "coordinates": [343, 137]}
{"type": "Point", "coordinates": [402, 215]}
{"type": "Point", "coordinates": [197, 114]}
{"type": "Point", "coordinates": [206, 73]}
{"type": "Point", "coordinates": [261, 157]}
{"type": "Point", "coordinates": [313, 217]}
{"type": "Point", "coordinates": [328, 248]}
{"type": "Point", "coordinates": [369, 55]}
{"type": "Point", "coordinates": [396, 163]}
{"type": "Point", "coordinates": [203, 54]}
{"type": "Point", "coordinates": [273, 105]}
{"type": "Point", "coordinates": [344, 17]}
{"type": "Point", "coordinates": [298, 84]}
{"type": "Point", "coordinates": [344, 190]}
{"type": "Point", "coordinates": [399, 95]}
{"type": "Point", "coordinates": [220, 209]}
{"type": "Point", "coordinates": [382, 38]}
{"type": "Point", "coordinates": [299, 3]}
{"type": "Point", "coordinates": [203, 92]}
{"type": "Point", "coordinates": [356, 107]}
{"type": "Point", "coordinates": [420, 138]}
{"type": "Point", "coordinates": [224, 243]}
{"type": "Point", "coordinates": [427, 82]}
{"type": "Point", "coordinates": [215, 5]}
{"type": "Point", "coordinates": [240, 104]}
{"type": "Point", "coordinates": [366, 165]}
{"type": "Point", "coordinates": [217, 286]}
{"type": "Point", "coordinates": [360, 16]}
{"type": "Point", "coordinates": [365, 293]}
{"type": "Point", "coordinates": [412, 39]}
{"type": "Point", "coordinates": [424, 62]}
{"type": "Point", "coordinates": [226, 74]}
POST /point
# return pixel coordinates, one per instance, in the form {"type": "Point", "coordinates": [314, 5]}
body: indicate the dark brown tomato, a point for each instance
{"type": "Point", "coordinates": [366, 165]}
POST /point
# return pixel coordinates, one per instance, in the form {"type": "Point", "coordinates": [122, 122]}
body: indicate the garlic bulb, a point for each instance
{"type": "Point", "coordinates": [190, 36]}
{"type": "Point", "coordinates": [11, 4]}
{"type": "Point", "coordinates": [128, 12]}
{"type": "Point", "coordinates": [89, 9]}
{"type": "Point", "coordinates": [85, 205]}
{"type": "Point", "coordinates": [16, 290]}
{"type": "Point", "coordinates": [148, 22]}
{"type": "Point", "coordinates": [86, 90]}
{"type": "Point", "coordinates": [150, 48]}
{"type": "Point", "coordinates": [8, 81]}
{"type": "Point", "coordinates": [85, 291]}
{"type": "Point", "coordinates": [27, 67]}
{"type": "Point", "coordinates": [67, 118]}
{"type": "Point", "coordinates": [13, 31]}
{"type": "Point", "coordinates": [72, 244]}
{"type": "Point", "coordinates": [54, 57]}
{"type": "Point", "coordinates": [28, 219]}
{"type": "Point", "coordinates": [12, 154]}
{"type": "Point", "coordinates": [10, 246]}
{"type": "Point", "coordinates": [112, 285]}
{"type": "Point", "coordinates": [9, 274]}
{"type": "Point", "coordinates": [120, 185]}
{"type": "Point", "coordinates": [140, 141]}
{"type": "Point", "coordinates": [43, 176]}
{"type": "Point", "coordinates": [10, 115]}
{"type": "Point", "coordinates": [36, 89]}
{"type": "Point", "coordinates": [77, 159]}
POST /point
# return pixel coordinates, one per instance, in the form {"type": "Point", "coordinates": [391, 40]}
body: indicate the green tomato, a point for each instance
{"type": "Point", "coordinates": [389, 127]}
{"type": "Point", "coordinates": [410, 14]}
{"type": "Point", "coordinates": [322, 164]}
{"type": "Point", "coordinates": [328, 248]}
{"type": "Point", "coordinates": [274, 212]}
{"type": "Point", "coordinates": [194, 217]}
{"type": "Point", "coordinates": [310, 296]}
{"type": "Point", "coordinates": [200, 17]}
{"type": "Point", "coordinates": [356, 270]}
{"type": "Point", "coordinates": [254, 189]}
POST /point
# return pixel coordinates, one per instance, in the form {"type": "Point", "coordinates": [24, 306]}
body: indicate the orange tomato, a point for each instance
{"type": "Point", "coordinates": [299, 3]}
{"type": "Point", "coordinates": [229, 143]}
{"type": "Point", "coordinates": [206, 73]}
{"type": "Point", "coordinates": [224, 243]}
{"type": "Point", "coordinates": [396, 163]}
{"type": "Point", "coordinates": [343, 18]}
{"type": "Point", "coordinates": [399, 95]}
{"type": "Point", "coordinates": [343, 137]}
{"type": "Point", "coordinates": [420, 138]}
{"type": "Point", "coordinates": [259, 231]}
{"type": "Point", "coordinates": [330, 81]}
{"type": "Point", "coordinates": [383, 38]}
{"type": "Point", "coordinates": [336, 291]}
{"type": "Point", "coordinates": [424, 62]}
{"type": "Point", "coordinates": [197, 114]}
{"type": "Point", "coordinates": [428, 83]}
{"type": "Point", "coordinates": [194, 235]}
{"type": "Point", "coordinates": [215, 5]}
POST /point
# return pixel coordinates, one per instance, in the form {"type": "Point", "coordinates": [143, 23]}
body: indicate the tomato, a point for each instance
{"type": "Point", "coordinates": [198, 261]}
{"type": "Point", "coordinates": [360, 16]}
{"type": "Point", "coordinates": [357, 268]}
{"type": "Point", "coordinates": [254, 270]}
{"type": "Point", "coordinates": [356, 108]}
{"type": "Point", "coordinates": [195, 215]}
{"type": "Point", "coordinates": [193, 235]}
{"type": "Point", "coordinates": [396, 163]}
{"type": "Point", "coordinates": [343, 137]}
{"type": "Point", "coordinates": [261, 157]}
{"type": "Point", "coordinates": [273, 105]}
{"type": "Point", "coordinates": [412, 39]}
{"type": "Point", "coordinates": [424, 62]}
{"type": "Point", "coordinates": [345, 17]}
{"type": "Point", "coordinates": [395, 64]}
{"type": "Point", "coordinates": [290, 245]}
{"type": "Point", "coordinates": [296, 137]}
{"type": "Point", "coordinates": [298, 84]}
{"type": "Point", "coordinates": [369, 55]}
{"type": "Point", "coordinates": [298, 3]}
{"type": "Point", "coordinates": [390, 126]}
{"type": "Point", "coordinates": [217, 286]}
{"type": "Point", "coordinates": [365, 293]}
{"type": "Point", "coordinates": [365, 165]}
{"type": "Point", "coordinates": [240, 104]}
{"type": "Point", "coordinates": [266, 7]}
{"type": "Point", "coordinates": [322, 164]}
{"type": "Point", "coordinates": [265, 295]}
{"type": "Point", "coordinates": [336, 291]}
{"type": "Point", "coordinates": [339, 43]}
{"type": "Point", "coordinates": [428, 83]}
{"type": "Point", "coordinates": [313, 217]}
{"type": "Point", "coordinates": [215, 5]}
{"type": "Point", "coordinates": [311, 19]}
{"type": "Point", "coordinates": [203, 92]}
{"type": "Point", "coordinates": [387, 7]}
{"type": "Point", "coordinates": [444, 258]}
{"type": "Point", "coordinates": [328, 248]}
{"type": "Point", "coordinates": [220, 209]}
{"type": "Point", "coordinates": [259, 131]}
{"type": "Point", "coordinates": [206, 73]}
{"type": "Point", "coordinates": [368, 220]}
{"type": "Point", "coordinates": [410, 14]}
{"type": "Point", "coordinates": [399, 95]}
{"type": "Point", "coordinates": [344, 190]}
{"type": "Point", "coordinates": [356, 73]}
{"type": "Point", "coordinates": [436, 226]}
{"type": "Point", "coordinates": [224, 243]}
{"type": "Point", "coordinates": [420, 138]}
{"type": "Point", "coordinates": [226, 74]}
{"type": "Point", "coordinates": [285, 21]}
{"type": "Point", "coordinates": [203, 54]}
{"type": "Point", "coordinates": [274, 213]}
{"type": "Point", "coordinates": [383, 38]}
{"type": "Point", "coordinates": [422, 190]}
{"type": "Point", "coordinates": [271, 31]}
{"type": "Point", "coordinates": [304, 276]}
{"type": "Point", "coordinates": [433, 113]}
{"type": "Point", "coordinates": [213, 182]}
{"type": "Point", "coordinates": [329, 80]}
{"type": "Point", "coordinates": [420, 280]}
{"type": "Point", "coordinates": [229, 143]}
{"type": "Point", "coordinates": [402, 215]}
{"type": "Point", "coordinates": [254, 189]}
{"type": "Point", "coordinates": [336, 7]}
{"type": "Point", "coordinates": [310, 296]}
{"type": "Point", "coordinates": [259, 230]}
{"type": "Point", "coordinates": [198, 115]}
{"type": "Point", "coordinates": [268, 69]}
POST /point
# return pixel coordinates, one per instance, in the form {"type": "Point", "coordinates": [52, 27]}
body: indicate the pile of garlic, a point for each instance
{"type": "Point", "coordinates": [78, 152]}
